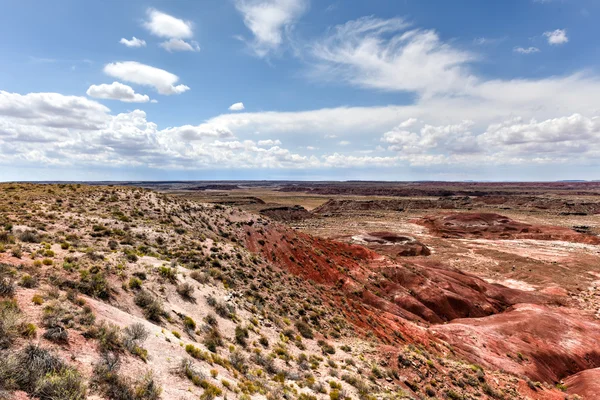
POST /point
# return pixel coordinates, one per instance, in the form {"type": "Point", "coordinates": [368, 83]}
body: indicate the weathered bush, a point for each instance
{"type": "Point", "coordinates": [186, 291]}
{"type": "Point", "coordinates": [57, 334]}
{"type": "Point", "coordinates": [111, 384]}
{"type": "Point", "coordinates": [241, 334]}
{"type": "Point", "coordinates": [29, 236]}
{"type": "Point", "coordinates": [133, 337]}
{"type": "Point", "coordinates": [10, 322]}
{"type": "Point", "coordinates": [213, 339]}
{"type": "Point", "coordinates": [41, 374]}
{"type": "Point", "coordinates": [7, 286]}
{"type": "Point", "coordinates": [153, 309]}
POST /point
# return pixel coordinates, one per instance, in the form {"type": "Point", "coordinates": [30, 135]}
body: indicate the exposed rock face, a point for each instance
{"type": "Point", "coordinates": [543, 343]}
{"type": "Point", "coordinates": [585, 383]}
{"type": "Point", "coordinates": [496, 226]}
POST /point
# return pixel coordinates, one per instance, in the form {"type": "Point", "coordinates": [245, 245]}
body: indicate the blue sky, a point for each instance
{"type": "Point", "coordinates": [387, 89]}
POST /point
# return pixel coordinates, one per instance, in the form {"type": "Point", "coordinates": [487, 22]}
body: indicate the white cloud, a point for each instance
{"type": "Point", "coordinates": [172, 45]}
{"type": "Point", "coordinates": [269, 21]}
{"type": "Point", "coordinates": [269, 143]}
{"type": "Point", "coordinates": [528, 50]}
{"type": "Point", "coordinates": [52, 110]}
{"type": "Point", "coordinates": [79, 132]}
{"type": "Point", "coordinates": [485, 41]}
{"type": "Point", "coordinates": [237, 107]}
{"type": "Point", "coordinates": [556, 37]}
{"type": "Point", "coordinates": [76, 131]}
{"type": "Point", "coordinates": [166, 26]}
{"type": "Point", "coordinates": [344, 143]}
{"type": "Point", "coordinates": [141, 74]}
{"type": "Point", "coordinates": [563, 135]}
{"type": "Point", "coordinates": [116, 91]}
{"type": "Point", "coordinates": [199, 132]}
{"type": "Point", "coordinates": [455, 138]}
{"type": "Point", "coordinates": [134, 42]}
{"type": "Point", "coordinates": [383, 54]}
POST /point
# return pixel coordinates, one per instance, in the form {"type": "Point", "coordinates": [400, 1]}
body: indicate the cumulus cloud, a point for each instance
{"type": "Point", "coordinates": [455, 138]}
{"type": "Point", "coordinates": [528, 50]}
{"type": "Point", "coordinates": [575, 133]}
{"type": "Point", "coordinates": [77, 131]}
{"type": "Point", "coordinates": [52, 110]}
{"type": "Point", "coordinates": [384, 54]}
{"type": "Point", "coordinates": [142, 74]}
{"type": "Point", "coordinates": [269, 21]}
{"type": "Point", "coordinates": [237, 107]}
{"type": "Point", "coordinates": [269, 143]}
{"type": "Point", "coordinates": [166, 26]}
{"type": "Point", "coordinates": [172, 45]}
{"type": "Point", "coordinates": [556, 37]}
{"type": "Point", "coordinates": [134, 42]}
{"type": "Point", "coordinates": [116, 91]}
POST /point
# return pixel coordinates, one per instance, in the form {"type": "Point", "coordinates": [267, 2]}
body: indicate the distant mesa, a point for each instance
{"type": "Point", "coordinates": [287, 214]}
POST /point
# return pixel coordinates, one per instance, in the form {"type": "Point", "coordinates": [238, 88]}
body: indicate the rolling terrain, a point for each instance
{"type": "Point", "coordinates": [299, 291]}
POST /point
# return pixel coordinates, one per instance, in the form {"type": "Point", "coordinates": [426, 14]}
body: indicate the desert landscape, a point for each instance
{"type": "Point", "coordinates": [300, 290]}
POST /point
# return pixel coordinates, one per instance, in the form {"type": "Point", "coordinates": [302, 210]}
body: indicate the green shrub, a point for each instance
{"type": "Point", "coordinates": [213, 340]}
{"type": "Point", "coordinates": [67, 385]}
{"type": "Point", "coordinates": [28, 281]}
{"type": "Point", "coordinates": [135, 283]}
{"type": "Point", "coordinates": [168, 273]}
{"type": "Point", "coordinates": [42, 375]}
{"type": "Point", "coordinates": [10, 322]}
{"type": "Point", "coordinates": [304, 329]}
{"type": "Point", "coordinates": [94, 284]}
{"type": "Point", "coordinates": [241, 334]}
{"type": "Point", "coordinates": [109, 337]}
{"type": "Point", "coordinates": [153, 309]}
{"type": "Point", "coordinates": [37, 299]}
{"type": "Point", "coordinates": [189, 323]}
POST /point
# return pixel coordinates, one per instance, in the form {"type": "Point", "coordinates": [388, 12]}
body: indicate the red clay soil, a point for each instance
{"type": "Point", "coordinates": [423, 292]}
{"type": "Point", "coordinates": [585, 383]}
{"type": "Point", "coordinates": [496, 226]}
{"type": "Point", "coordinates": [437, 294]}
{"type": "Point", "coordinates": [546, 344]}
